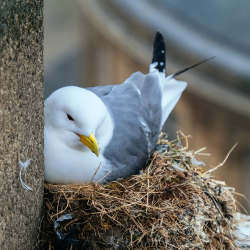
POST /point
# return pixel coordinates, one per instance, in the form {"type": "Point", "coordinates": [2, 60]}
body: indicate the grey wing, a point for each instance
{"type": "Point", "coordinates": [101, 91]}
{"type": "Point", "coordinates": [137, 118]}
{"type": "Point", "coordinates": [136, 78]}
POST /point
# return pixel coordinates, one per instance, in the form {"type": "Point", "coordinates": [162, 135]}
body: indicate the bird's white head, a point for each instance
{"type": "Point", "coordinates": [76, 117]}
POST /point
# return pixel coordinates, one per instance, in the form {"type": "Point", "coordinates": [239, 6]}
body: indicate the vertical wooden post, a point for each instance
{"type": "Point", "coordinates": [21, 121]}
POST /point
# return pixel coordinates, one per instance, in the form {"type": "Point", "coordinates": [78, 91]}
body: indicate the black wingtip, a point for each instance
{"type": "Point", "coordinates": [193, 66]}
{"type": "Point", "coordinates": [159, 52]}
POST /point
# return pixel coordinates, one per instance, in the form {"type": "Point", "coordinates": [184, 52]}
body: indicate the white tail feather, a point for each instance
{"type": "Point", "coordinates": [171, 94]}
{"type": "Point", "coordinates": [171, 89]}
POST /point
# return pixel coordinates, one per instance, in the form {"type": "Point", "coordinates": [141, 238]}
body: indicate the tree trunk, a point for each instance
{"type": "Point", "coordinates": [21, 121]}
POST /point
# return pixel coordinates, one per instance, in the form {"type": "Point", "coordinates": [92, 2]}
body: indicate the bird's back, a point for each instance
{"type": "Point", "coordinates": [136, 109]}
{"type": "Point", "coordinates": [137, 117]}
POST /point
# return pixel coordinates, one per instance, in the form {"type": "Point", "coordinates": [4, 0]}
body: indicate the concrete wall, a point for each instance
{"type": "Point", "coordinates": [21, 121]}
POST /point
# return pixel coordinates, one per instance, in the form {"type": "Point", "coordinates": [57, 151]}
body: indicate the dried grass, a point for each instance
{"type": "Point", "coordinates": [173, 204]}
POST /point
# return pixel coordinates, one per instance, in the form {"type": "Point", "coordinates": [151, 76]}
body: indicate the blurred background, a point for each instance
{"type": "Point", "coordinates": [97, 42]}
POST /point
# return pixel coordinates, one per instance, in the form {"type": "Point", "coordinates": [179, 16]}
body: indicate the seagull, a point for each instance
{"type": "Point", "coordinates": [108, 131]}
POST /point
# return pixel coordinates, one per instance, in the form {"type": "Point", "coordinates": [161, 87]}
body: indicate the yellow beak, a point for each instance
{"type": "Point", "coordinates": [91, 143]}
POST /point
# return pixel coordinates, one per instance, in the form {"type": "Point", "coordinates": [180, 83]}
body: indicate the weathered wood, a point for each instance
{"type": "Point", "coordinates": [21, 121]}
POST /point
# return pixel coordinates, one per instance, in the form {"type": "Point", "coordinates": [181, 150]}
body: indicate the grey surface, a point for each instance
{"type": "Point", "coordinates": [66, 73]}
{"type": "Point", "coordinates": [62, 48]}
{"type": "Point", "coordinates": [187, 40]}
{"type": "Point", "coordinates": [137, 120]}
{"type": "Point", "coordinates": [225, 21]}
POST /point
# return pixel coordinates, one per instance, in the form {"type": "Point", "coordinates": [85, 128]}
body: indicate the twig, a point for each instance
{"type": "Point", "coordinates": [104, 176]}
{"type": "Point", "coordinates": [147, 191]}
{"type": "Point", "coordinates": [185, 137]}
{"type": "Point", "coordinates": [94, 174]}
{"type": "Point", "coordinates": [221, 164]}
{"type": "Point", "coordinates": [216, 205]}
{"type": "Point", "coordinates": [198, 151]}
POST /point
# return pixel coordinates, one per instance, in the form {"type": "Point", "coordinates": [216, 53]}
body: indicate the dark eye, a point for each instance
{"type": "Point", "coordinates": [70, 117]}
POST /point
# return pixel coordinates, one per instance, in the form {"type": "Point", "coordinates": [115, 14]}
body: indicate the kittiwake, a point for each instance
{"type": "Point", "coordinates": [114, 126]}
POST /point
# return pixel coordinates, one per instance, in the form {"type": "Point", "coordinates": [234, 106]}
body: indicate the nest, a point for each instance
{"type": "Point", "coordinates": [174, 203]}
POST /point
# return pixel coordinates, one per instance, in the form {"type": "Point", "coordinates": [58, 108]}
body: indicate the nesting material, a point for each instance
{"type": "Point", "coordinates": [172, 204]}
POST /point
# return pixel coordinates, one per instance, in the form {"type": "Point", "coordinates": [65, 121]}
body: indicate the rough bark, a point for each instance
{"type": "Point", "coordinates": [21, 121]}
